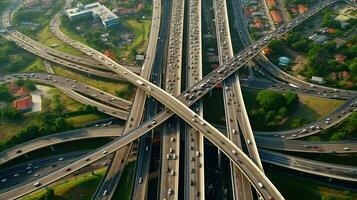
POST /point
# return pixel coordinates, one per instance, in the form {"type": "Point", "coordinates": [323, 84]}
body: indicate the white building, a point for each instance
{"type": "Point", "coordinates": [317, 79]}
{"type": "Point", "coordinates": [97, 10]}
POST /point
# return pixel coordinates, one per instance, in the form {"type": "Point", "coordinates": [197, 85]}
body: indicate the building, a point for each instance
{"type": "Point", "coordinates": [340, 58]}
{"type": "Point", "coordinates": [318, 38]}
{"type": "Point", "coordinates": [96, 10]}
{"type": "Point", "coordinates": [21, 92]}
{"type": "Point", "coordinates": [23, 104]}
{"type": "Point", "coordinates": [302, 8]}
{"type": "Point", "coordinates": [283, 61]}
{"type": "Point", "coordinates": [317, 79]}
{"type": "Point", "coordinates": [139, 57]}
{"type": "Point", "coordinates": [275, 16]}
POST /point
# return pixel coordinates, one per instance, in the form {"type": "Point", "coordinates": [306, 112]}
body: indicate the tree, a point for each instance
{"type": "Point", "coordinates": [338, 136]}
{"type": "Point", "coordinates": [58, 105]}
{"type": "Point", "coordinates": [301, 45]}
{"type": "Point", "coordinates": [5, 94]}
{"type": "Point", "coordinates": [9, 113]}
{"type": "Point", "coordinates": [293, 37]}
{"type": "Point", "coordinates": [49, 195]}
{"type": "Point", "coordinates": [62, 124]}
{"type": "Point", "coordinates": [270, 100]}
{"type": "Point", "coordinates": [291, 98]}
{"type": "Point", "coordinates": [26, 83]}
{"type": "Point", "coordinates": [276, 46]}
{"type": "Point", "coordinates": [353, 68]}
{"type": "Point", "coordinates": [283, 111]}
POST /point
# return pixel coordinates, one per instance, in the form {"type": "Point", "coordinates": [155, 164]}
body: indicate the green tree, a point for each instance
{"type": "Point", "coordinates": [276, 46]}
{"type": "Point", "coordinates": [5, 94]}
{"type": "Point", "coordinates": [270, 100]}
{"type": "Point", "coordinates": [27, 84]}
{"type": "Point", "coordinates": [62, 124]}
{"type": "Point", "coordinates": [338, 136]}
{"type": "Point", "coordinates": [49, 195]}
{"type": "Point", "coordinates": [9, 113]}
{"type": "Point", "coordinates": [291, 98]}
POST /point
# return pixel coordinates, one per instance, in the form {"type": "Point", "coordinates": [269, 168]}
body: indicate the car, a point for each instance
{"type": "Point", "coordinates": [260, 185]}
{"type": "Point", "coordinates": [105, 193]}
{"type": "Point", "coordinates": [16, 175]}
{"type": "Point", "coordinates": [60, 159]}
{"type": "Point", "coordinates": [346, 148]}
{"type": "Point", "coordinates": [105, 152]}
{"type": "Point", "coordinates": [3, 180]}
{"type": "Point", "coordinates": [140, 180]}
{"type": "Point", "coordinates": [36, 184]}
{"type": "Point", "coordinates": [36, 175]}
{"type": "Point", "coordinates": [19, 151]}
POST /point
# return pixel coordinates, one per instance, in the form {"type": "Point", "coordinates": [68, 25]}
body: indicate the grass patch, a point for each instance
{"type": "Point", "coordinates": [293, 188]}
{"type": "Point", "coordinates": [46, 37]}
{"type": "Point", "coordinates": [36, 66]}
{"type": "Point", "coordinates": [308, 108]}
{"type": "Point", "coordinates": [69, 104]}
{"type": "Point", "coordinates": [9, 129]}
{"type": "Point", "coordinates": [321, 106]}
{"type": "Point", "coordinates": [80, 187]}
{"type": "Point", "coordinates": [108, 86]}
{"type": "Point", "coordinates": [72, 35]}
{"type": "Point", "coordinates": [124, 188]}
{"type": "Point", "coordinates": [83, 119]}
{"type": "Point", "coordinates": [141, 29]}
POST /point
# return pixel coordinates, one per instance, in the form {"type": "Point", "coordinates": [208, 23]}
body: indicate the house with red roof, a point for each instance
{"type": "Point", "coordinates": [23, 104]}
{"type": "Point", "coordinates": [275, 16]}
{"type": "Point", "coordinates": [302, 8]}
{"type": "Point", "coordinates": [21, 92]}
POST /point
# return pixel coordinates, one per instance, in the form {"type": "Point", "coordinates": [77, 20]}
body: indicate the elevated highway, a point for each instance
{"type": "Point", "coordinates": [170, 135]}
{"type": "Point", "coordinates": [240, 185]}
{"type": "Point", "coordinates": [111, 179]}
{"type": "Point", "coordinates": [332, 171]}
{"type": "Point", "coordinates": [83, 93]}
{"type": "Point", "coordinates": [257, 178]}
{"type": "Point", "coordinates": [194, 184]}
{"type": "Point", "coordinates": [304, 165]}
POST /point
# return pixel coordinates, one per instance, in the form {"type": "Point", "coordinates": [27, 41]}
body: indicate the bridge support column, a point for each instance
{"type": "Point", "coordinates": [219, 158]}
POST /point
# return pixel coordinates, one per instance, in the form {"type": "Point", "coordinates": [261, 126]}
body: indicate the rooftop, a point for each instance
{"type": "Point", "coordinates": [96, 9]}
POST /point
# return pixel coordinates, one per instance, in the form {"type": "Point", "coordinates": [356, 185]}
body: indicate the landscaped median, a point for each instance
{"type": "Point", "coordinates": [79, 187]}
{"type": "Point", "coordinates": [83, 186]}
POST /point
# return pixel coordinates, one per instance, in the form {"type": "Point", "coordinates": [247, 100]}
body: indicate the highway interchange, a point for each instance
{"type": "Point", "coordinates": [179, 107]}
